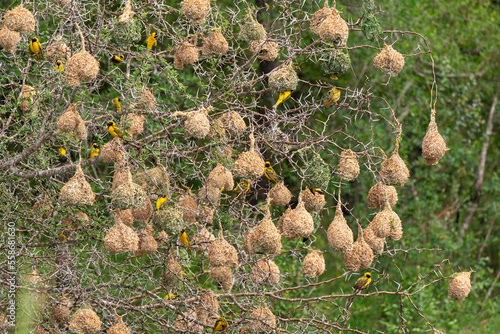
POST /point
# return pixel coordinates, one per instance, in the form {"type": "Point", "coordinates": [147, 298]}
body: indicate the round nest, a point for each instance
{"type": "Point", "coordinates": [172, 273]}
{"type": "Point", "coordinates": [348, 167]}
{"type": "Point", "coordinates": [249, 165]}
{"type": "Point", "coordinates": [71, 122]}
{"type": "Point", "coordinates": [121, 238]}
{"type": "Point", "coordinates": [370, 26]}
{"type": "Point", "coordinates": [360, 257]}
{"type": "Point", "coordinates": [251, 30]}
{"type": "Point", "coordinates": [28, 100]}
{"type": "Point", "coordinates": [19, 19]}
{"type": "Point", "coordinates": [219, 177]}
{"type": "Point", "coordinates": [204, 239]}
{"type": "Point", "coordinates": [394, 171]}
{"type": "Point", "coordinates": [195, 10]}
{"type": "Point", "coordinates": [263, 320]}
{"type": "Point", "coordinates": [433, 145]}
{"type": "Point", "coordinates": [279, 194]}
{"type": "Point", "coordinates": [189, 206]}
{"type": "Point", "coordinates": [208, 306]}
{"type": "Point", "coordinates": [147, 101]}
{"type": "Point", "coordinates": [210, 195]}
{"type": "Point", "coordinates": [297, 223]}
{"type": "Point", "coordinates": [380, 193]}
{"type": "Point", "coordinates": [136, 123]}
{"type": "Point", "coordinates": [127, 196]}
{"type": "Point", "coordinates": [124, 217]}
{"type": "Point", "coordinates": [336, 63]}
{"type": "Point", "coordinates": [313, 264]}
{"type": "Point", "coordinates": [313, 201]}
{"type": "Point", "coordinates": [61, 311]}
{"type": "Point", "coordinates": [375, 243]}
{"type": "Point", "coordinates": [119, 327]}
{"type": "Point", "coordinates": [143, 214]}
{"type": "Point", "coordinates": [317, 173]}
{"type": "Point", "coordinates": [77, 190]}
{"type": "Point", "coordinates": [185, 54]}
{"type": "Point", "coordinates": [169, 219]}
{"type": "Point", "coordinates": [215, 42]}
{"type": "Point", "coordinates": [340, 236]}
{"type": "Point", "coordinates": [318, 18]}
{"type": "Point", "coordinates": [9, 40]}
{"type": "Point", "coordinates": [389, 60]}
{"type": "Point", "coordinates": [205, 214]}
{"type": "Point", "coordinates": [147, 243]}
{"type": "Point", "coordinates": [267, 50]}
{"type": "Point", "coordinates": [224, 276]}
{"type": "Point", "coordinates": [459, 287]}
{"type": "Point", "coordinates": [58, 50]}
{"type": "Point", "coordinates": [113, 151]}
{"type": "Point", "coordinates": [196, 124]}
{"type": "Point", "coordinates": [284, 78]}
{"type": "Point", "coordinates": [265, 272]}
{"type": "Point", "coordinates": [126, 34]}
{"type": "Point", "coordinates": [82, 66]}
{"type": "Point", "coordinates": [85, 321]}
{"type": "Point", "coordinates": [264, 238]}
{"type": "Point", "coordinates": [155, 181]}
{"type": "Point", "coordinates": [121, 175]}
{"type": "Point", "coordinates": [387, 224]}
{"type": "Point", "coordinates": [334, 29]}
{"type": "Point", "coordinates": [221, 253]}
{"type": "Point", "coordinates": [232, 122]}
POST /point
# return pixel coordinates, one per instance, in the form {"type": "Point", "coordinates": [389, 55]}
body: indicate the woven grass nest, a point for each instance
{"type": "Point", "coordinates": [433, 145]}
{"type": "Point", "coordinates": [233, 123]}
{"type": "Point", "coordinates": [330, 26]}
{"type": "Point", "coordinates": [370, 26]}
{"type": "Point", "coordinates": [205, 214]}
{"type": "Point", "coordinates": [113, 151]}
{"type": "Point", "coordinates": [375, 243]}
{"type": "Point", "coordinates": [9, 40]}
{"type": "Point", "coordinates": [249, 164]}
{"type": "Point", "coordinates": [185, 54]}
{"type": "Point", "coordinates": [314, 201]}
{"type": "Point", "coordinates": [284, 78]}
{"type": "Point", "coordinates": [379, 193]}
{"type": "Point", "coordinates": [183, 322]}
{"type": "Point", "coordinates": [77, 190]}
{"type": "Point", "coordinates": [264, 238]}
{"type": "Point", "coordinates": [127, 32]}
{"type": "Point", "coordinates": [389, 60]}
{"type": "Point", "coordinates": [318, 17]}
{"type": "Point", "coordinates": [19, 19]}
{"type": "Point", "coordinates": [57, 50]}
{"type": "Point", "coordinates": [266, 50]}
{"type": "Point", "coordinates": [127, 15]}
{"type": "Point", "coordinates": [71, 122]}
{"type": "Point", "coordinates": [221, 253]}
{"type": "Point", "coordinates": [121, 238]}
{"type": "Point", "coordinates": [263, 320]}
{"type": "Point", "coordinates": [360, 256]}
{"type": "Point", "coordinates": [170, 219]}
{"type": "Point", "coordinates": [28, 100]}
{"type": "Point", "coordinates": [393, 171]}
{"type": "Point", "coordinates": [124, 217]}
{"type": "Point", "coordinates": [136, 124]}
{"type": "Point", "coordinates": [208, 306]}
{"type": "Point", "coordinates": [459, 287]}
{"type": "Point", "coordinates": [85, 321]}
{"type": "Point", "coordinates": [265, 271]}
{"type": "Point", "coordinates": [155, 181]}
{"type": "Point", "coordinates": [61, 311]}
{"type": "Point", "coordinates": [224, 276]}
{"type": "Point", "coordinates": [220, 177]}
{"type": "Point", "coordinates": [172, 273]}
{"type": "Point", "coordinates": [204, 239]}
{"type": "Point", "coordinates": [144, 213]}
{"type": "Point", "coordinates": [81, 66]}
{"type": "Point", "coordinates": [279, 194]}
{"type": "Point", "coordinates": [313, 264]}
{"type": "Point", "coordinates": [336, 62]}
{"type": "Point", "coordinates": [196, 124]}
{"type": "Point", "coordinates": [296, 223]}
{"type": "Point", "coordinates": [147, 101]}
{"type": "Point", "coordinates": [147, 243]}
{"type": "Point", "coordinates": [128, 195]}
{"type": "Point", "coordinates": [195, 10]}
{"type": "Point", "coordinates": [340, 236]}
{"type": "Point", "coordinates": [210, 195]}
{"type": "Point", "coordinates": [348, 167]}
{"type": "Point", "coordinates": [386, 224]}
{"type": "Point", "coordinates": [119, 327]}
{"type": "Point", "coordinates": [189, 205]}
{"type": "Point", "coordinates": [215, 42]}
{"type": "Point", "coordinates": [317, 171]}
{"type": "Point", "coordinates": [251, 30]}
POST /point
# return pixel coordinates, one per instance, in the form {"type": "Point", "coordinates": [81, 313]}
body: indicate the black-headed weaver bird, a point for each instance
{"type": "Point", "coordinates": [283, 96]}
{"type": "Point", "coordinates": [160, 202]}
{"type": "Point", "coordinates": [169, 296]}
{"type": "Point", "coordinates": [114, 130]}
{"type": "Point", "coordinates": [270, 173]}
{"type": "Point", "coordinates": [183, 237]}
{"type": "Point", "coordinates": [220, 325]}
{"type": "Point", "coordinates": [151, 40]}
{"type": "Point", "coordinates": [118, 105]}
{"type": "Point", "coordinates": [363, 282]}
{"type": "Point", "coordinates": [59, 66]}
{"type": "Point", "coordinates": [332, 97]}
{"type": "Point", "coordinates": [94, 151]}
{"type": "Point", "coordinates": [36, 48]}
{"type": "Point", "coordinates": [117, 59]}
{"type": "Point", "coordinates": [241, 188]}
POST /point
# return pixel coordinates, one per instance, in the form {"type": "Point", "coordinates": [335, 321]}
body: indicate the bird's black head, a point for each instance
{"type": "Point", "coordinates": [183, 231]}
{"type": "Point", "coordinates": [111, 123]}
{"type": "Point", "coordinates": [58, 62]}
{"type": "Point", "coordinates": [34, 39]}
{"type": "Point", "coordinates": [155, 35]}
{"type": "Point", "coordinates": [368, 275]}
{"type": "Point", "coordinates": [268, 164]}
{"type": "Point", "coordinates": [94, 145]}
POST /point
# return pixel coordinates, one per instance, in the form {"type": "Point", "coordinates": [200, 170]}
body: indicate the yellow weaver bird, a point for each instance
{"type": "Point", "coordinates": [151, 40]}
{"type": "Point", "coordinates": [36, 48]}
{"type": "Point", "coordinates": [114, 130]}
{"type": "Point", "coordinates": [62, 236]}
{"type": "Point", "coordinates": [169, 296]}
{"type": "Point", "coordinates": [363, 282]}
{"type": "Point", "coordinates": [241, 188]}
{"type": "Point", "coordinates": [94, 151]}
{"type": "Point", "coordinates": [270, 173]}
{"type": "Point", "coordinates": [183, 237]}
{"type": "Point", "coordinates": [316, 191]}
{"type": "Point", "coordinates": [283, 96]}
{"type": "Point", "coordinates": [332, 97]}
{"type": "Point", "coordinates": [59, 66]}
{"type": "Point", "coordinates": [117, 59]}
{"type": "Point", "coordinates": [62, 154]}
{"type": "Point", "coordinates": [333, 76]}
{"type": "Point", "coordinates": [118, 105]}
{"type": "Point", "coordinates": [220, 325]}
{"type": "Point", "coordinates": [160, 202]}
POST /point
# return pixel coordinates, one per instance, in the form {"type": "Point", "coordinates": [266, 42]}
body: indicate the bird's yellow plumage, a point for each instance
{"type": "Point", "coordinates": [160, 202]}
{"type": "Point", "coordinates": [63, 157]}
{"type": "Point", "coordinates": [36, 48]}
{"type": "Point", "coordinates": [283, 96]}
{"type": "Point", "coordinates": [117, 59]}
{"type": "Point", "coordinates": [363, 282]}
{"type": "Point", "coordinates": [241, 188]}
{"type": "Point", "coordinates": [59, 66]}
{"type": "Point", "coordinates": [151, 40]}
{"type": "Point", "coordinates": [220, 325]}
{"type": "Point", "coordinates": [316, 191]}
{"type": "Point", "coordinates": [118, 105]}
{"type": "Point", "coordinates": [270, 173]}
{"type": "Point", "coordinates": [183, 237]}
{"type": "Point", "coordinates": [332, 97]}
{"type": "Point", "coordinates": [94, 151]}
{"type": "Point", "coordinates": [114, 130]}
{"type": "Point", "coordinates": [169, 296]}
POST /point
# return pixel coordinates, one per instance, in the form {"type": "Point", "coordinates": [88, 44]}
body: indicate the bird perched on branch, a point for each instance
{"type": "Point", "coordinates": [114, 130]}
{"type": "Point", "coordinates": [160, 202]}
{"type": "Point", "coordinates": [241, 188]}
{"type": "Point", "coordinates": [283, 96]}
{"type": "Point", "coordinates": [36, 48]}
{"type": "Point", "coordinates": [183, 237]}
{"type": "Point", "coordinates": [316, 191]}
{"type": "Point", "coordinates": [117, 59]}
{"type": "Point", "coordinates": [151, 40]}
{"type": "Point", "coordinates": [94, 151]}
{"type": "Point", "coordinates": [220, 325]}
{"type": "Point", "coordinates": [59, 66]}
{"type": "Point", "coordinates": [332, 97]}
{"type": "Point", "coordinates": [118, 106]}
{"type": "Point", "coordinates": [270, 173]}
{"type": "Point", "coordinates": [63, 157]}
{"type": "Point", "coordinates": [363, 282]}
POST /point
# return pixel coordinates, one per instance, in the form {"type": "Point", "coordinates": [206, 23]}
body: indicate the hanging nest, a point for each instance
{"type": "Point", "coordinates": [264, 238]}
{"type": "Point", "coordinates": [340, 236]}
{"type": "Point", "coordinates": [232, 122]}
{"type": "Point", "coordinates": [204, 239]}
{"type": "Point", "coordinates": [389, 60]}
{"type": "Point", "coordinates": [81, 66]}
{"type": "Point", "coordinates": [113, 151]}
{"type": "Point", "coordinates": [126, 34]}
{"type": "Point", "coordinates": [136, 123]}
{"type": "Point", "coordinates": [387, 224]}
{"type": "Point", "coordinates": [154, 181]}
{"type": "Point", "coordinates": [379, 193]}
{"type": "Point", "coordinates": [314, 201]}
{"type": "Point", "coordinates": [58, 50]}
{"type": "Point", "coordinates": [249, 164]}
{"type": "Point", "coordinates": [196, 124]}
{"type": "Point", "coordinates": [143, 214]}
{"type": "Point", "coordinates": [128, 195]}
{"type": "Point", "coordinates": [9, 40]}
{"type": "Point", "coordinates": [317, 172]}
{"type": "Point", "coordinates": [267, 50]}
{"type": "Point", "coordinates": [224, 276]}
{"type": "Point", "coordinates": [263, 320]}
{"type": "Point", "coordinates": [334, 29]}
{"type": "Point", "coordinates": [172, 273]}
{"type": "Point", "coordinates": [124, 217]}
{"type": "Point", "coordinates": [19, 19]}
{"type": "Point", "coordinates": [147, 243]}
{"type": "Point", "coordinates": [375, 243]}
{"type": "Point", "coordinates": [265, 272]}
{"type": "Point", "coordinates": [459, 287]}
{"type": "Point", "coordinates": [433, 145]}
{"type": "Point", "coordinates": [119, 327]}
{"type": "Point", "coordinates": [215, 42]}
{"type": "Point", "coordinates": [147, 101]}
{"type": "Point", "coordinates": [121, 238]}
{"type": "Point", "coordinates": [335, 63]}
{"type": "Point", "coordinates": [220, 177]}
{"type": "Point", "coordinates": [208, 306]}
{"type": "Point", "coordinates": [279, 194]}
{"type": "Point", "coordinates": [221, 253]}
{"type": "Point", "coordinates": [205, 214]}
{"type": "Point", "coordinates": [127, 15]}
{"type": "Point", "coordinates": [71, 122]}
{"type": "Point", "coordinates": [251, 30]}
{"type": "Point", "coordinates": [121, 175]}
{"type": "Point", "coordinates": [348, 167]}
{"type": "Point", "coordinates": [393, 171]}
{"type": "Point", "coordinates": [189, 206]}
{"type": "Point", "coordinates": [195, 10]}
{"type": "Point", "coordinates": [169, 219]}
{"type": "Point", "coordinates": [313, 264]}
{"type": "Point", "coordinates": [28, 100]}
{"type": "Point", "coordinates": [370, 26]}
{"type": "Point", "coordinates": [360, 256]}
{"type": "Point", "coordinates": [297, 223]}
{"type": "Point", "coordinates": [85, 321]}
{"type": "Point", "coordinates": [77, 190]}
{"type": "Point", "coordinates": [318, 18]}
{"type": "Point", "coordinates": [61, 311]}
{"type": "Point", "coordinates": [284, 78]}
{"type": "Point", "coordinates": [185, 54]}
{"type": "Point", "coordinates": [210, 195]}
